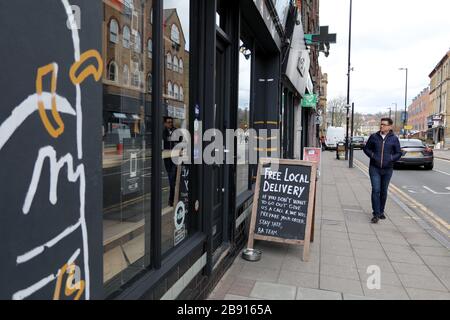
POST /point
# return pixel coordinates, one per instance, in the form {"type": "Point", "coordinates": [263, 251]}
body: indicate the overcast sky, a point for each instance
{"type": "Point", "coordinates": [386, 35]}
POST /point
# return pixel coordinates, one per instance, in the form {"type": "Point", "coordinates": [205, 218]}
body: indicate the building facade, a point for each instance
{"type": "Point", "coordinates": [439, 131]}
{"type": "Point", "coordinates": [323, 112]}
{"type": "Point", "coordinates": [419, 111]}
{"type": "Point", "coordinates": [89, 216]}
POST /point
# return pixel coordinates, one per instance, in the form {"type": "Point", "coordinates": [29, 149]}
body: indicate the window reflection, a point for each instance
{"type": "Point", "coordinates": [242, 174]}
{"type": "Point", "coordinates": [175, 186]}
{"type": "Point", "coordinates": [126, 140]}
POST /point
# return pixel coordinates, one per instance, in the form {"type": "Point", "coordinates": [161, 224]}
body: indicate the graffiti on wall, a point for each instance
{"type": "Point", "coordinates": [53, 166]}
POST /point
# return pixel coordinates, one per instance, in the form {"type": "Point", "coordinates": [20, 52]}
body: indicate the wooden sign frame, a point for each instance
{"type": "Point", "coordinates": [311, 203]}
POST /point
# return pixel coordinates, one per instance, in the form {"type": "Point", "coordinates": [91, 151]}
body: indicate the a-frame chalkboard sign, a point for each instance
{"type": "Point", "coordinates": [283, 203]}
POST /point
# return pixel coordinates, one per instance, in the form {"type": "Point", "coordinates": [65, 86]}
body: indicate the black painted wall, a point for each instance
{"type": "Point", "coordinates": [50, 181]}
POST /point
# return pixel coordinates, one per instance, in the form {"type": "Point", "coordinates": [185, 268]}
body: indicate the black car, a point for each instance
{"type": "Point", "coordinates": [415, 153]}
{"type": "Point", "coordinates": [358, 142]}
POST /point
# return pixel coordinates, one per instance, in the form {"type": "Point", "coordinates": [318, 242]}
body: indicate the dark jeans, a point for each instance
{"type": "Point", "coordinates": [171, 169]}
{"type": "Point", "coordinates": [379, 179]}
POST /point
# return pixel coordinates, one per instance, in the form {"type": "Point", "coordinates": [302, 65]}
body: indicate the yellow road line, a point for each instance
{"type": "Point", "coordinates": [436, 220]}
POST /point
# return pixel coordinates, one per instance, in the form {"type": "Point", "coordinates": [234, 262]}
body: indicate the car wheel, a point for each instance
{"type": "Point", "coordinates": [429, 166]}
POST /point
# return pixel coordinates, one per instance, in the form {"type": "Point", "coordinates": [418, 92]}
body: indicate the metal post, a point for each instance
{"type": "Point", "coordinates": [406, 102]}
{"type": "Point", "coordinates": [347, 142]}
{"type": "Point", "coordinates": [350, 164]}
{"type": "Point", "coordinates": [348, 74]}
{"type": "Point", "coordinates": [395, 121]}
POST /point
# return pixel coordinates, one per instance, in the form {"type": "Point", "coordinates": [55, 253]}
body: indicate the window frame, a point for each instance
{"type": "Point", "coordinates": [180, 65]}
{"type": "Point", "coordinates": [170, 89]}
{"type": "Point", "coordinates": [126, 40]}
{"type": "Point", "coordinates": [150, 48]}
{"type": "Point", "coordinates": [169, 61]}
{"type": "Point", "coordinates": [175, 33]}
{"type": "Point", "coordinates": [113, 25]}
{"type": "Point", "coordinates": [176, 91]}
{"type": "Point", "coordinates": [113, 63]}
{"type": "Point", "coordinates": [137, 42]}
{"type": "Point", "coordinates": [149, 82]}
{"type": "Point", "coordinates": [175, 63]}
{"type": "Point", "coordinates": [126, 80]}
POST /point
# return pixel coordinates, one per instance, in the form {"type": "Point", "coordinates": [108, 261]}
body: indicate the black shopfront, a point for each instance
{"type": "Point", "coordinates": [123, 67]}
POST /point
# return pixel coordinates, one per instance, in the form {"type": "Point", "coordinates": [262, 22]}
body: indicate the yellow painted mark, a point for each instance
{"type": "Point", "coordinates": [70, 287]}
{"type": "Point", "coordinates": [266, 149]}
{"type": "Point", "coordinates": [266, 122]}
{"type": "Point", "coordinates": [264, 138]}
{"type": "Point", "coordinates": [89, 70]}
{"type": "Point", "coordinates": [43, 71]}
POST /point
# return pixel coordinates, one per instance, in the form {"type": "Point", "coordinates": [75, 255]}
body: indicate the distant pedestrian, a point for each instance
{"type": "Point", "coordinates": [171, 168]}
{"type": "Point", "coordinates": [383, 149]}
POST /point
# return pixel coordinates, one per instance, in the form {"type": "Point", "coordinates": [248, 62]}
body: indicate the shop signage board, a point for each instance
{"type": "Point", "coordinates": [312, 154]}
{"type": "Point", "coordinates": [50, 150]}
{"type": "Point", "coordinates": [132, 170]}
{"type": "Point", "coordinates": [283, 203]}
{"type": "Point", "coordinates": [309, 101]}
{"type": "Point", "coordinates": [181, 202]}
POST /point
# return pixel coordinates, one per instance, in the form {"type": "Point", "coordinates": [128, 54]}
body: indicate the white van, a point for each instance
{"type": "Point", "coordinates": [334, 135]}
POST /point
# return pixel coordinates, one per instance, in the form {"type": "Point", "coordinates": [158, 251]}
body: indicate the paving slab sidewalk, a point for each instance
{"type": "Point", "coordinates": [442, 154]}
{"type": "Point", "coordinates": [346, 252]}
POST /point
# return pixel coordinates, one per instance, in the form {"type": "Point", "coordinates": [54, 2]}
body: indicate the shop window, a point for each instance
{"type": "Point", "coordinates": [126, 154]}
{"type": "Point", "coordinates": [112, 71]}
{"type": "Point", "coordinates": [126, 37]}
{"type": "Point", "coordinates": [177, 222]}
{"type": "Point", "coordinates": [243, 125]}
{"type": "Point", "coordinates": [175, 63]}
{"type": "Point", "coordinates": [114, 31]}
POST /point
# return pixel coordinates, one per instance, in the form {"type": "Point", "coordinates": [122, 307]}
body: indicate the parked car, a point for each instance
{"type": "Point", "coordinates": [415, 153]}
{"type": "Point", "coordinates": [334, 135]}
{"type": "Point", "coordinates": [358, 142]}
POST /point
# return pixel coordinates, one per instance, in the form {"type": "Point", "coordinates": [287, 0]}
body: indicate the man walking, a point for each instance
{"type": "Point", "coordinates": [171, 168]}
{"type": "Point", "coordinates": [383, 149]}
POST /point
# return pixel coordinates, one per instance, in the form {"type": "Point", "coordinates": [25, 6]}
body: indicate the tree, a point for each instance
{"type": "Point", "coordinates": [336, 107]}
{"type": "Point", "coordinates": [358, 121]}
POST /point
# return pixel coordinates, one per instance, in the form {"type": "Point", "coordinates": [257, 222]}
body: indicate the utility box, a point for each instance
{"type": "Point", "coordinates": [340, 151]}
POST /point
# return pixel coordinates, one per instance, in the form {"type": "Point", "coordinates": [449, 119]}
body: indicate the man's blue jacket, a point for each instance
{"type": "Point", "coordinates": [383, 153]}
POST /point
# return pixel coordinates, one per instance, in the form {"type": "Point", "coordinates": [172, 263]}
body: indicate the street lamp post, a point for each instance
{"type": "Point", "coordinates": [348, 77]}
{"type": "Point", "coordinates": [406, 102]}
{"type": "Point", "coordinates": [395, 116]}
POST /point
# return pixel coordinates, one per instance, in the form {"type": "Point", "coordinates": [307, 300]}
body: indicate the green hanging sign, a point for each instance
{"type": "Point", "coordinates": [309, 101]}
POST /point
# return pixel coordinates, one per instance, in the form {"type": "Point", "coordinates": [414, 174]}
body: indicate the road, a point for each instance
{"type": "Point", "coordinates": [429, 188]}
